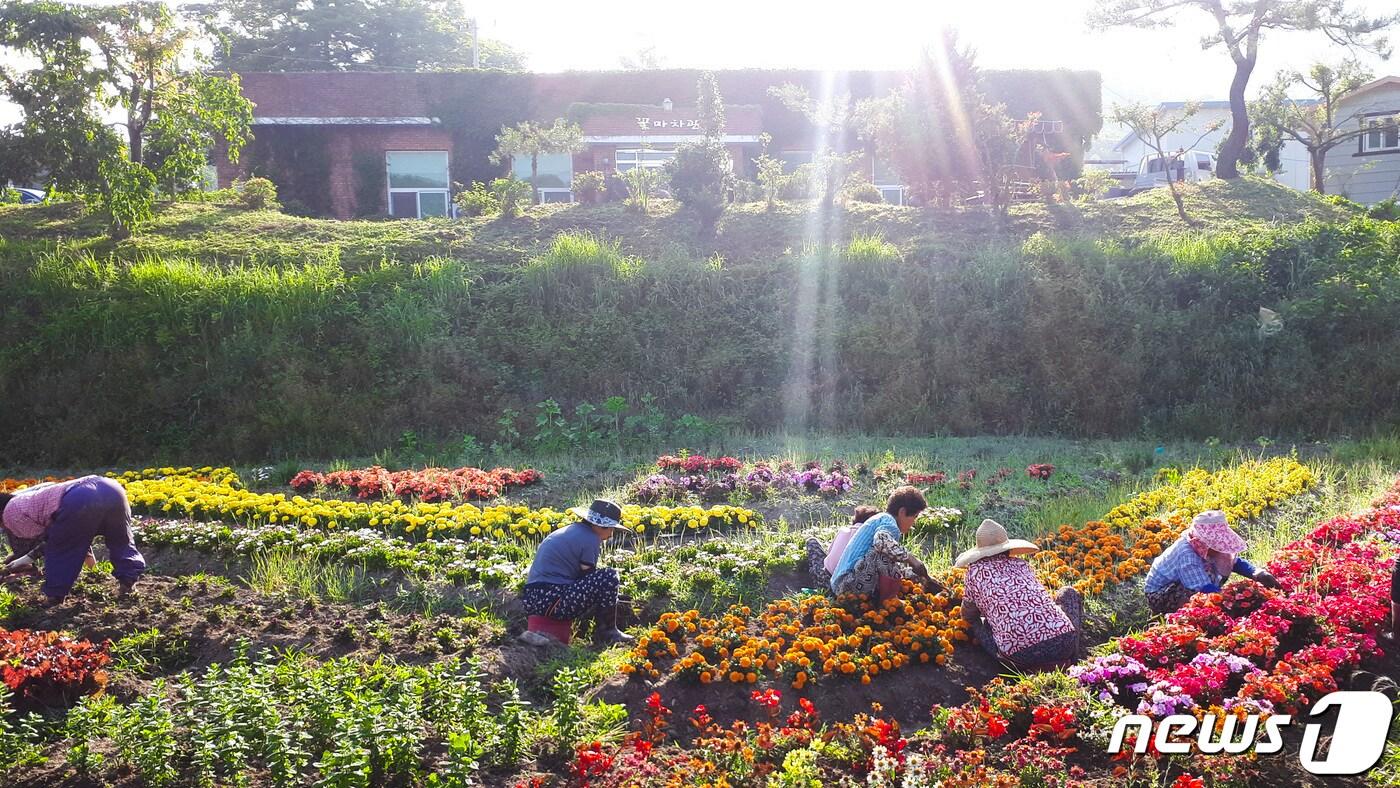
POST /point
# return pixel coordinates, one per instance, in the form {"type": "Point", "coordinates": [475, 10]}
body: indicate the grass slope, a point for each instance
{"type": "Point", "coordinates": [748, 232]}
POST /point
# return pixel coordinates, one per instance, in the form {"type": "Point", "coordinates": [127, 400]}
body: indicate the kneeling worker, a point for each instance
{"type": "Point", "coordinates": [58, 521]}
{"type": "Point", "coordinates": [1199, 561]}
{"type": "Point", "coordinates": [565, 582]}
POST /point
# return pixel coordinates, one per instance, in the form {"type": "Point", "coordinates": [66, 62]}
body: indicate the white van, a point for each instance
{"type": "Point", "coordinates": [1192, 166]}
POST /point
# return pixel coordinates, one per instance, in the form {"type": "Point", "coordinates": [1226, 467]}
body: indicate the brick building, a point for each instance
{"type": "Point", "coordinates": [349, 144]}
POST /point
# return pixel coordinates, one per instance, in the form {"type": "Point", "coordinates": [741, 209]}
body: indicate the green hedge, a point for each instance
{"type": "Point", "coordinates": [107, 360]}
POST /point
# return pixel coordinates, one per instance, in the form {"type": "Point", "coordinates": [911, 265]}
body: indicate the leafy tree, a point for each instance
{"type": "Point", "coordinates": [833, 119]}
{"type": "Point", "coordinates": [536, 140]}
{"type": "Point", "coordinates": [941, 133]}
{"type": "Point", "coordinates": [1153, 125]}
{"type": "Point", "coordinates": [769, 171]}
{"type": "Point", "coordinates": [95, 60]}
{"type": "Point", "coordinates": [1238, 26]}
{"type": "Point", "coordinates": [1314, 123]}
{"type": "Point", "coordinates": [348, 35]}
{"type": "Point", "coordinates": [702, 173]}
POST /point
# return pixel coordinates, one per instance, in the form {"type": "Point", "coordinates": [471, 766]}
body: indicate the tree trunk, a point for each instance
{"type": "Point", "coordinates": [534, 174]}
{"type": "Point", "coordinates": [133, 141]}
{"type": "Point", "coordinates": [1233, 148]}
{"type": "Point", "coordinates": [1319, 170]}
{"type": "Point", "coordinates": [1176, 198]}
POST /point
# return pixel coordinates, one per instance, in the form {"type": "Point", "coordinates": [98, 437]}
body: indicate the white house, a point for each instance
{"type": "Point", "coordinates": [1131, 149]}
{"type": "Point", "coordinates": [1368, 169]}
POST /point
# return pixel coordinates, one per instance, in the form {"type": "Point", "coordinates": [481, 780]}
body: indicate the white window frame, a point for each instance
{"type": "Point", "coordinates": [1381, 123]}
{"type": "Point", "coordinates": [544, 190]}
{"type": "Point", "coordinates": [417, 192]}
{"type": "Point", "coordinates": [891, 192]}
{"type": "Point", "coordinates": [642, 157]}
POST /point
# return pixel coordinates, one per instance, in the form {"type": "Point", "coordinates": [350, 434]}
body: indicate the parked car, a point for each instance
{"type": "Point", "coordinates": [1192, 166]}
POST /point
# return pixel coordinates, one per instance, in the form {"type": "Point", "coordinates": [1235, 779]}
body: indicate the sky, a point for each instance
{"type": "Point", "coordinates": [1137, 65]}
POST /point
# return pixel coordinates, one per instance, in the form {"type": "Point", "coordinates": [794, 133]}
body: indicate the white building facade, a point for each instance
{"type": "Point", "coordinates": [1131, 149]}
{"type": "Point", "coordinates": [1367, 169]}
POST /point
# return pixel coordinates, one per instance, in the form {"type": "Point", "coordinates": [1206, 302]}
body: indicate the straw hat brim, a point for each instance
{"type": "Point", "coordinates": [1012, 546]}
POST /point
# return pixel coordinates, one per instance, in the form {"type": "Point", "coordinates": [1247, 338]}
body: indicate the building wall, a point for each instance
{"type": "Point", "coordinates": [1293, 158]}
{"type": "Point", "coordinates": [343, 144]}
{"type": "Point", "coordinates": [1367, 178]}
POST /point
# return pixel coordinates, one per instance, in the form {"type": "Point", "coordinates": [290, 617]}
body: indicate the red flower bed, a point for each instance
{"type": "Point", "coordinates": [429, 484]}
{"type": "Point", "coordinates": [697, 463]}
{"type": "Point", "coordinates": [1334, 597]}
{"type": "Point", "coordinates": [49, 669]}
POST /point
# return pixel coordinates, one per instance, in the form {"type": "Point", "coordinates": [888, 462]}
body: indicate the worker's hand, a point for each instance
{"type": "Point", "coordinates": [933, 586]}
{"type": "Point", "coordinates": [1265, 579]}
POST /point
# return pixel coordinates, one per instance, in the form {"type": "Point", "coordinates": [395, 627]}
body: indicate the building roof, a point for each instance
{"type": "Point", "coordinates": [340, 94]}
{"type": "Point", "coordinates": [1373, 85]}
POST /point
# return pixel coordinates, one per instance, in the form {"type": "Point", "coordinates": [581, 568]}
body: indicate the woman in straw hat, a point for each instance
{"type": "Point", "coordinates": [565, 582]}
{"type": "Point", "coordinates": [1200, 560]}
{"type": "Point", "coordinates": [1011, 613]}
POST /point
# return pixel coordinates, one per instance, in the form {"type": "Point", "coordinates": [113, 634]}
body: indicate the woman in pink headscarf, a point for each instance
{"type": "Point", "coordinates": [1199, 561]}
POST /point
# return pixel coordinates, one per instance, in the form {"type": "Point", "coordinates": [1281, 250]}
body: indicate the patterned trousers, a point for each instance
{"type": "Point", "coordinates": [1057, 650]}
{"type": "Point", "coordinates": [596, 590]}
{"type": "Point", "coordinates": [816, 563]}
{"type": "Point", "coordinates": [885, 559]}
{"type": "Point", "coordinates": [1169, 599]}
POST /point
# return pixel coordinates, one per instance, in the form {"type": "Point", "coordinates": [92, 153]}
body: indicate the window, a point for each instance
{"type": "Point", "coordinates": [554, 175]}
{"type": "Point", "coordinates": [1203, 162]}
{"type": "Point", "coordinates": [1382, 134]}
{"type": "Point", "coordinates": [418, 183]}
{"type": "Point", "coordinates": [631, 159]}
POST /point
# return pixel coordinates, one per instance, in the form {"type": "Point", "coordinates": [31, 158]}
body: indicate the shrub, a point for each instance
{"type": "Point", "coordinates": [797, 185]}
{"type": "Point", "coordinates": [1094, 184]}
{"type": "Point", "coordinates": [642, 183]}
{"type": "Point", "coordinates": [575, 251]}
{"type": "Point", "coordinates": [511, 194]}
{"type": "Point", "coordinates": [701, 177]}
{"type": "Point", "coordinates": [1387, 209]}
{"type": "Point", "coordinates": [257, 194]}
{"type": "Point", "coordinates": [864, 191]}
{"type": "Point", "coordinates": [871, 250]}
{"type": "Point", "coordinates": [125, 196]}
{"type": "Point", "coordinates": [477, 201]}
{"type": "Point", "coordinates": [588, 187]}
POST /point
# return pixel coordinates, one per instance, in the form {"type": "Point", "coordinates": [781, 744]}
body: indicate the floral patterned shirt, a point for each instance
{"type": "Point", "coordinates": [30, 512]}
{"type": "Point", "coordinates": [1015, 603]}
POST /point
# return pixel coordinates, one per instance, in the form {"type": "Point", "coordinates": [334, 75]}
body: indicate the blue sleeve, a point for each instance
{"type": "Point", "coordinates": [1244, 568]}
{"type": "Point", "coordinates": [1209, 588]}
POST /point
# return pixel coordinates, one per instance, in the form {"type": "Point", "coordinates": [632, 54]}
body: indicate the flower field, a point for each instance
{"type": "Point", "coordinates": [799, 643]}
{"type": "Point", "coordinates": [200, 499]}
{"type": "Point", "coordinates": [741, 673]}
{"type": "Point", "coordinates": [430, 485]}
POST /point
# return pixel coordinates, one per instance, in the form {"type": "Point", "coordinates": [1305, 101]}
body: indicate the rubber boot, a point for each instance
{"type": "Point", "coordinates": [605, 631]}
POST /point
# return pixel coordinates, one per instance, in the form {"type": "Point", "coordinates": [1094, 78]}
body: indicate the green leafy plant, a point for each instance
{"type": "Point", "coordinates": [477, 201]}
{"type": "Point", "coordinates": [511, 196]}
{"type": "Point", "coordinates": [588, 187]}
